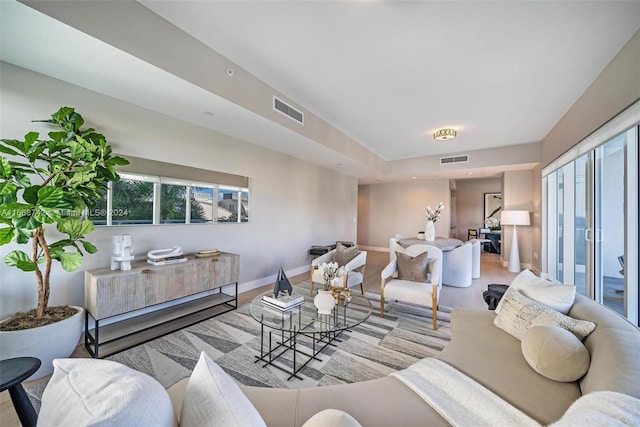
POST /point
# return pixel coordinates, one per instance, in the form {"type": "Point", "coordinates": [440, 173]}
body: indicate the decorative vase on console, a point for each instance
{"type": "Point", "coordinates": [430, 231]}
{"type": "Point", "coordinates": [433, 215]}
{"type": "Point", "coordinates": [324, 301]}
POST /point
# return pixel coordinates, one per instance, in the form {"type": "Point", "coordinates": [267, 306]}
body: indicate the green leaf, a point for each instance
{"type": "Point", "coordinates": [70, 261]}
{"type": "Point", "coordinates": [89, 247]}
{"type": "Point", "coordinates": [47, 215]}
{"type": "Point", "coordinates": [85, 228]}
{"type": "Point", "coordinates": [36, 150]}
{"type": "Point", "coordinates": [6, 150]}
{"type": "Point", "coordinates": [5, 168]}
{"type": "Point", "coordinates": [21, 260]}
{"type": "Point", "coordinates": [77, 150]}
{"type": "Point", "coordinates": [22, 179]}
{"type": "Point", "coordinates": [29, 139]}
{"type": "Point", "coordinates": [7, 188]}
{"type": "Point", "coordinates": [30, 194]}
{"type": "Point", "coordinates": [117, 160]}
{"type": "Point", "coordinates": [7, 233]}
{"type": "Point", "coordinates": [16, 210]}
{"type": "Point", "coordinates": [26, 224]}
{"type": "Point", "coordinates": [50, 197]}
{"type": "Point", "coordinates": [57, 136]}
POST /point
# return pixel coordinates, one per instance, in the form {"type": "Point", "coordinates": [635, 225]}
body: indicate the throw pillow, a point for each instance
{"type": "Point", "coordinates": [519, 313]}
{"type": "Point", "coordinates": [332, 418]}
{"type": "Point", "coordinates": [412, 268]}
{"type": "Point", "coordinates": [94, 392]}
{"type": "Point", "coordinates": [554, 295]}
{"type": "Point", "coordinates": [343, 254]}
{"type": "Point", "coordinates": [213, 398]}
{"type": "Point", "coordinates": [555, 353]}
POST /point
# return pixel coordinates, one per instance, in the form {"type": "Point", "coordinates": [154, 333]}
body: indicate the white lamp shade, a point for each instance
{"type": "Point", "coordinates": [514, 218]}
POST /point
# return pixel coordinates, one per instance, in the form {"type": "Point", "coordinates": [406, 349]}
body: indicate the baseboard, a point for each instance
{"type": "Point", "coordinates": [270, 280]}
{"type": "Point", "coordinates": [374, 248]}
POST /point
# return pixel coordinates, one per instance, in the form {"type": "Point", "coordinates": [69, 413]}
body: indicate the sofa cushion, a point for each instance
{"type": "Point", "coordinates": [94, 392]}
{"type": "Point", "coordinates": [332, 418]}
{"type": "Point", "coordinates": [554, 295]}
{"type": "Point", "coordinates": [519, 313]}
{"type": "Point", "coordinates": [343, 254]}
{"type": "Point", "coordinates": [412, 268]}
{"type": "Point", "coordinates": [494, 358]}
{"type": "Point", "coordinates": [555, 353]}
{"type": "Point", "coordinates": [212, 397]}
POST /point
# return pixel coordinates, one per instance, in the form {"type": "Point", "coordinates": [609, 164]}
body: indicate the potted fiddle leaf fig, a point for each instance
{"type": "Point", "coordinates": [46, 183]}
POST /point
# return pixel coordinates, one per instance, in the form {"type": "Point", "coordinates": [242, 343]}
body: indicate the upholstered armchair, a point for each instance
{"type": "Point", "coordinates": [354, 270]}
{"type": "Point", "coordinates": [475, 258]}
{"type": "Point", "coordinates": [395, 247]}
{"type": "Point", "coordinates": [458, 266]}
{"type": "Point", "coordinates": [406, 286]}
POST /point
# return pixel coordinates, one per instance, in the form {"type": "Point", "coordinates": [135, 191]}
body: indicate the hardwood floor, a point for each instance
{"type": "Point", "coordinates": [471, 297]}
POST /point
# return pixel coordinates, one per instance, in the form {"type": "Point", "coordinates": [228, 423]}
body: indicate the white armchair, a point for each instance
{"type": "Point", "coordinates": [425, 292]}
{"type": "Point", "coordinates": [354, 271]}
{"type": "Point", "coordinates": [394, 247]}
{"type": "Point", "coordinates": [458, 266]}
{"type": "Point", "coordinates": [475, 258]}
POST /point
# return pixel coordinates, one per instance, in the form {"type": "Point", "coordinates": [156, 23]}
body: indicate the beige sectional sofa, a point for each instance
{"type": "Point", "coordinates": [485, 354]}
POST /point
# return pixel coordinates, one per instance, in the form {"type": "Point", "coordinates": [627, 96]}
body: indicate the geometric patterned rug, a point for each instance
{"type": "Point", "coordinates": [373, 349]}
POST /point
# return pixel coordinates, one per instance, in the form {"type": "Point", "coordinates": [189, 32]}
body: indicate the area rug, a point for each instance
{"type": "Point", "coordinates": [371, 350]}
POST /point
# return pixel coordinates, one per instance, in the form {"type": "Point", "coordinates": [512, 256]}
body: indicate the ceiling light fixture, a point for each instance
{"type": "Point", "coordinates": [444, 134]}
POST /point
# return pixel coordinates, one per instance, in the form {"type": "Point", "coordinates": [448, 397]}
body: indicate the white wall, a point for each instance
{"type": "Point", "coordinates": [517, 194]}
{"type": "Point", "coordinates": [399, 208]}
{"type": "Point", "coordinates": [294, 204]}
{"type": "Point", "coordinates": [470, 202]}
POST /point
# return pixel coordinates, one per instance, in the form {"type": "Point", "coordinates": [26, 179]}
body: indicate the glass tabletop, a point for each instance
{"type": "Point", "coordinates": [305, 318]}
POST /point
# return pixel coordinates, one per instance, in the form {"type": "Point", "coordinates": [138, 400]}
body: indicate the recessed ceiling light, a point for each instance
{"type": "Point", "coordinates": [469, 173]}
{"type": "Point", "coordinates": [230, 72]}
{"type": "Point", "coordinates": [444, 134]}
{"type": "Point", "coordinates": [414, 177]}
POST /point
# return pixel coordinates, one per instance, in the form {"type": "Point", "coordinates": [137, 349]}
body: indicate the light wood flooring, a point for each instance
{"type": "Point", "coordinates": [471, 297]}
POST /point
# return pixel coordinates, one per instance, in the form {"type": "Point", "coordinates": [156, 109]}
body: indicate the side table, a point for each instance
{"type": "Point", "coordinates": [12, 373]}
{"type": "Point", "coordinates": [493, 294]}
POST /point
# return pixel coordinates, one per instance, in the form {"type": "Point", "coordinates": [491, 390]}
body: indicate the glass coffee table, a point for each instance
{"type": "Point", "coordinates": [302, 331]}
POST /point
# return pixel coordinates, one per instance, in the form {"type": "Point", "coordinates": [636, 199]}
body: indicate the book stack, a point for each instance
{"type": "Point", "coordinates": [283, 302]}
{"type": "Point", "coordinates": [167, 260]}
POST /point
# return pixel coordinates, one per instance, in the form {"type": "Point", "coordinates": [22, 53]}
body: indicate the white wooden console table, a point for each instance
{"type": "Point", "coordinates": [135, 292]}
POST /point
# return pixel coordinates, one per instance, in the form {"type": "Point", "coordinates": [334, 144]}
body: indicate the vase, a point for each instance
{"type": "Point", "coordinates": [430, 231]}
{"type": "Point", "coordinates": [324, 302]}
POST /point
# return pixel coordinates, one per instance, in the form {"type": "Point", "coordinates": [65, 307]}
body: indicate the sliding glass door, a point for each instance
{"type": "Point", "coordinates": [592, 223]}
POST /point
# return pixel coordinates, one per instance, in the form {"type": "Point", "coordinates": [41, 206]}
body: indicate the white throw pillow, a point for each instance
{"type": "Point", "coordinates": [332, 418]}
{"type": "Point", "coordinates": [519, 313]}
{"type": "Point", "coordinates": [93, 392]}
{"type": "Point", "coordinates": [213, 398]}
{"type": "Point", "coordinates": [555, 353]}
{"type": "Point", "coordinates": [554, 295]}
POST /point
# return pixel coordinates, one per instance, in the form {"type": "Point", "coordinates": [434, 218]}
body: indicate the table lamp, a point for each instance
{"type": "Point", "coordinates": [514, 218]}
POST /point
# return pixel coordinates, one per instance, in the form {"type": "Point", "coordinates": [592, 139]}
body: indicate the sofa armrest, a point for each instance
{"type": "Point", "coordinates": [389, 270]}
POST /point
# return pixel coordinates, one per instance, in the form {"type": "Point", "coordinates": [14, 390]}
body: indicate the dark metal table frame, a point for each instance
{"type": "Point", "coordinates": [13, 372]}
{"type": "Point", "coordinates": [281, 340]}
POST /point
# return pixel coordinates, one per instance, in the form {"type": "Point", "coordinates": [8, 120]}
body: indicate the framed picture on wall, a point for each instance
{"type": "Point", "coordinates": [492, 208]}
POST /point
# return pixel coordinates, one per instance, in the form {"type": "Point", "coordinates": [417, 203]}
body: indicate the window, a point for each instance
{"type": "Point", "coordinates": [146, 199]}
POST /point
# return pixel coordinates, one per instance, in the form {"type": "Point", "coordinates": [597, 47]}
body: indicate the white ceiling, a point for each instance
{"type": "Point", "coordinates": [385, 73]}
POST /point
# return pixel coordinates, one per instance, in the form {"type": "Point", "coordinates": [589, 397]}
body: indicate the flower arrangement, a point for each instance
{"type": "Point", "coordinates": [329, 271]}
{"type": "Point", "coordinates": [492, 223]}
{"type": "Point", "coordinates": [434, 214]}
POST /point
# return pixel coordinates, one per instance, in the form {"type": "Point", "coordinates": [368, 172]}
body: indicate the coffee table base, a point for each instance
{"type": "Point", "coordinates": [289, 342]}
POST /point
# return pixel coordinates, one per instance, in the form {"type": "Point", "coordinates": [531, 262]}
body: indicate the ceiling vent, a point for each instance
{"type": "Point", "coordinates": [454, 159]}
{"type": "Point", "coordinates": [288, 110]}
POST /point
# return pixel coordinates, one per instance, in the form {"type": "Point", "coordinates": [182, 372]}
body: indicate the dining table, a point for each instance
{"type": "Point", "coordinates": [443, 243]}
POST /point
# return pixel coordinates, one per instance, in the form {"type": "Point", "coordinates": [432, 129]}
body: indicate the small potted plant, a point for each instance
{"type": "Point", "coordinates": [42, 183]}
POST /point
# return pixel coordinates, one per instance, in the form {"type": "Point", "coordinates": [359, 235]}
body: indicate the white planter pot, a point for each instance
{"type": "Point", "coordinates": [54, 341]}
